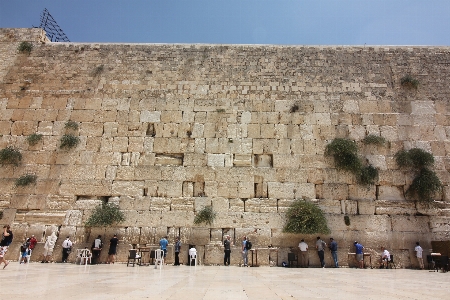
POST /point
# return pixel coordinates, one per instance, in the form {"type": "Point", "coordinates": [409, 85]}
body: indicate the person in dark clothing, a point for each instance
{"type": "Point", "coordinates": [227, 250]}
{"type": "Point", "coordinates": [7, 236]}
{"type": "Point", "coordinates": [333, 248]}
{"type": "Point", "coordinates": [112, 248]}
{"type": "Point", "coordinates": [177, 251]}
{"type": "Point", "coordinates": [96, 249]}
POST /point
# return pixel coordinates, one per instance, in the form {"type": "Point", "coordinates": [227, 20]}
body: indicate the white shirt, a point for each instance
{"type": "Point", "coordinates": [419, 251]}
{"type": "Point", "coordinates": [192, 252]}
{"type": "Point", "coordinates": [67, 244]}
{"type": "Point", "coordinates": [97, 243]}
{"type": "Point", "coordinates": [386, 254]}
{"type": "Point", "coordinates": [303, 246]}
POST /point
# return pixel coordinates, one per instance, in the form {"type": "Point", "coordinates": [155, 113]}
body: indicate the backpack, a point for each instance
{"type": "Point", "coordinates": [248, 245]}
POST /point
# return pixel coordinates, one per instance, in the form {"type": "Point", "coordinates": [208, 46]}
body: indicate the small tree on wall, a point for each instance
{"type": "Point", "coordinates": [105, 214]}
{"type": "Point", "coordinates": [205, 215]}
{"type": "Point", "coordinates": [426, 183]}
{"type": "Point", "coordinates": [305, 217]}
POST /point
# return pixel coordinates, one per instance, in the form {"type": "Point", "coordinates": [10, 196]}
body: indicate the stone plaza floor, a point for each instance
{"type": "Point", "coordinates": [70, 281]}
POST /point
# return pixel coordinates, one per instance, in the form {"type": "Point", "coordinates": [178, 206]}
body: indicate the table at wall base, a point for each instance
{"type": "Point", "coordinates": [142, 251]}
{"type": "Point", "coordinates": [255, 252]}
{"type": "Point", "coordinates": [364, 258]}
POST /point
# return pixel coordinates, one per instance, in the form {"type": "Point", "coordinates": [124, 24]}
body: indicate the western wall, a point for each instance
{"type": "Point", "coordinates": [168, 129]}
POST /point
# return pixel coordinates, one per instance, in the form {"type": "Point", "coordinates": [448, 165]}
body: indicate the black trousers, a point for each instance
{"type": "Point", "coordinates": [177, 259]}
{"type": "Point", "coordinates": [226, 258]}
{"type": "Point", "coordinates": [95, 256]}
{"type": "Point", "coordinates": [65, 254]}
{"type": "Point", "coordinates": [322, 258]}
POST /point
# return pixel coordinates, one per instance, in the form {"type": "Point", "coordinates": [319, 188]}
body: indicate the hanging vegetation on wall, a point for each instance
{"type": "Point", "coordinates": [105, 214]}
{"type": "Point", "coordinates": [426, 183]}
{"type": "Point", "coordinates": [10, 155]}
{"type": "Point", "coordinates": [345, 154]}
{"type": "Point", "coordinates": [305, 217]}
{"type": "Point", "coordinates": [205, 215]}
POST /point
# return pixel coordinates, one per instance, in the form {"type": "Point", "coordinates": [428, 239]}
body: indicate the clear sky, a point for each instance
{"type": "Point", "coordinates": [289, 22]}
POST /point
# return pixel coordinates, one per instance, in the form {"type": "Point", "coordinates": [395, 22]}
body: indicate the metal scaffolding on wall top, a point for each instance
{"type": "Point", "coordinates": [52, 29]}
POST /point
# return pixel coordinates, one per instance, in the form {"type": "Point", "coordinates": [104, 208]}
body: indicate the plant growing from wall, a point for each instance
{"type": "Point", "coordinates": [294, 108]}
{"type": "Point", "coordinates": [345, 154]}
{"type": "Point", "coordinates": [69, 141]}
{"type": "Point", "coordinates": [25, 47]}
{"type": "Point", "coordinates": [34, 138]}
{"type": "Point", "coordinates": [373, 139]}
{"type": "Point", "coordinates": [71, 125]}
{"type": "Point", "coordinates": [25, 180]}
{"type": "Point", "coordinates": [105, 214]}
{"type": "Point", "coordinates": [305, 217]}
{"type": "Point", "coordinates": [98, 70]}
{"type": "Point", "coordinates": [220, 110]}
{"type": "Point", "coordinates": [10, 155]}
{"type": "Point", "coordinates": [409, 82]}
{"type": "Point", "coordinates": [426, 183]}
{"type": "Point", "coordinates": [1, 214]}
{"type": "Point", "coordinates": [347, 220]}
{"type": "Point", "coordinates": [205, 215]}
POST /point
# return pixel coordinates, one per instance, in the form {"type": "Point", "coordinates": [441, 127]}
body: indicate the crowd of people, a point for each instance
{"type": "Point", "coordinates": [30, 243]}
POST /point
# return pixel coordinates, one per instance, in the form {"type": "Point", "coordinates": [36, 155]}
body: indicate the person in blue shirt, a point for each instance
{"type": "Point", "coordinates": [163, 245]}
{"type": "Point", "coordinates": [359, 254]}
{"type": "Point", "coordinates": [333, 247]}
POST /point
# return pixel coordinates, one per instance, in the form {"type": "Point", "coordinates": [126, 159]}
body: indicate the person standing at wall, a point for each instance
{"type": "Point", "coordinates": [359, 249]}
{"type": "Point", "coordinates": [320, 246]}
{"type": "Point", "coordinates": [67, 248]}
{"type": "Point", "coordinates": [7, 236]}
{"type": "Point", "coordinates": [48, 247]}
{"type": "Point", "coordinates": [163, 245]}
{"type": "Point", "coordinates": [177, 251]}
{"type": "Point", "coordinates": [33, 243]}
{"type": "Point", "coordinates": [303, 253]}
{"type": "Point", "coordinates": [244, 251]}
{"type": "Point", "coordinates": [112, 249]}
{"type": "Point", "coordinates": [385, 258]}
{"type": "Point", "coordinates": [96, 249]}
{"type": "Point", "coordinates": [419, 252]}
{"type": "Point", "coordinates": [227, 251]}
{"type": "Point", "coordinates": [333, 249]}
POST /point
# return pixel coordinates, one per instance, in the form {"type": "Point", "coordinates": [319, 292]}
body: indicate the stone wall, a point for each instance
{"type": "Point", "coordinates": [168, 129]}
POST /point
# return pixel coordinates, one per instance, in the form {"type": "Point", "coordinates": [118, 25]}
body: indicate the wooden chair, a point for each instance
{"type": "Point", "coordinates": [132, 256]}
{"type": "Point", "coordinates": [159, 258]}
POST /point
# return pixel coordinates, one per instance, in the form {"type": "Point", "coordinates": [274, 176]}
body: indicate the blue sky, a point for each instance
{"type": "Point", "coordinates": [288, 22]}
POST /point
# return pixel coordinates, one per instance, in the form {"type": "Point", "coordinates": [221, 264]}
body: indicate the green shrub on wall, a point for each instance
{"type": "Point", "coordinates": [372, 139]}
{"type": "Point", "coordinates": [10, 155]}
{"type": "Point", "coordinates": [69, 141]}
{"type": "Point", "coordinates": [205, 215]}
{"type": "Point", "coordinates": [25, 47]}
{"type": "Point", "coordinates": [34, 138]}
{"type": "Point", "coordinates": [345, 154]}
{"type": "Point", "coordinates": [409, 82]}
{"type": "Point", "coordinates": [105, 214]}
{"type": "Point", "coordinates": [426, 183]}
{"type": "Point", "coordinates": [305, 217]}
{"type": "Point", "coordinates": [25, 180]}
{"type": "Point", "coordinates": [71, 125]}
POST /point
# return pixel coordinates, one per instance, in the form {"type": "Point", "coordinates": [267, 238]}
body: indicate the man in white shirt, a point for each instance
{"type": "Point", "coordinates": [303, 253]}
{"type": "Point", "coordinates": [385, 258]}
{"type": "Point", "coordinates": [419, 252]}
{"type": "Point", "coordinates": [67, 247]}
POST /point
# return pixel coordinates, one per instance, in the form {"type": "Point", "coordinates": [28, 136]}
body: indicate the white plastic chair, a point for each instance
{"type": "Point", "coordinates": [84, 255]}
{"type": "Point", "coordinates": [159, 258]}
{"type": "Point", "coordinates": [28, 256]}
{"type": "Point", "coordinates": [193, 257]}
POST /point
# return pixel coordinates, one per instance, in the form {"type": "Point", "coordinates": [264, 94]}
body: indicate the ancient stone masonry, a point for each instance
{"type": "Point", "coordinates": [167, 129]}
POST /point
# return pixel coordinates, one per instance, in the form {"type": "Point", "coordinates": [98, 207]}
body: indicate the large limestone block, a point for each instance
{"type": "Point", "coordinates": [220, 205]}
{"type": "Point", "coordinates": [418, 224]}
{"type": "Point", "coordinates": [160, 204]}
{"type": "Point", "coordinates": [335, 191]}
{"type": "Point", "coordinates": [423, 108]}
{"type": "Point", "coordinates": [390, 193]}
{"type": "Point", "coordinates": [130, 188]}
{"type": "Point", "coordinates": [395, 207]}
{"type": "Point", "coordinates": [198, 236]}
{"type": "Point", "coordinates": [360, 223]}
{"type": "Point", "coordinates": [366, 207]}
{"type": "Point", "coordinates": [183, 204]}
{"type": "Point", "coordinates": [73, 218]}
{"type": "Point", "coordinates": [330, 206]}
{"type": "Point", "coordinates": [201, 202]}
{"type": "Point", "coordinates": [439, 224]}
{"type": "Point", "coordinates": [142, 218]}
{"type": "Point", "coordinates": [358, 192]}
{"type": "Point", "coordinates": [178, 218]}
{"type": "Point", "coordinates": [236, 205]}
{"type": "Point", "coordinates": [150, 116]}
{"type": "Point", "coordinates": [349, 207]}
{"type": "Point", "coordinates": [9, 215]}
{"type": "Point", "coordinates": [83, 204]}
{"type": "Point", "coordinates": [214, 255]}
